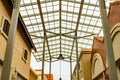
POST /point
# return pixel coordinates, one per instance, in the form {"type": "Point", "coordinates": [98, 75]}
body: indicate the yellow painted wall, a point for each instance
{"type": "Point", "coordinates": [3, 12]}
{"type": "Point", "coordinates": [18, 64]}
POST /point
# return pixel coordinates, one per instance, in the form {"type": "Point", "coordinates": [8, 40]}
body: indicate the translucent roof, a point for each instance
{"type": "Point", "coordinates": [61, 20]}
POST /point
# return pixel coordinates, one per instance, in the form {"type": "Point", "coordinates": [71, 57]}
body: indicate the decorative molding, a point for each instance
{"type": "Point", "coordinates": [95, 58]}
{"type": "Point", "coordinates": [115, 30]}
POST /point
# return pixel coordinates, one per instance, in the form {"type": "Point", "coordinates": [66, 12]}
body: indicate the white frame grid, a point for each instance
{"type": "Point", "coordinates": [60, 20]}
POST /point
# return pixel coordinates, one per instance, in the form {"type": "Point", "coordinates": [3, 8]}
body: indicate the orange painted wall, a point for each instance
{"type": "Point", "coordinates": [32, 75]}
{"type": "Point", "coordinates": [49, 76]}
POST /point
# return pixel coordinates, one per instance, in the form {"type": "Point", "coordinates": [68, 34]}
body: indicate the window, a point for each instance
{"type": "Point", "coordinates": [25, 54]}
{"type": "Point", "coordinates": [6, 27]}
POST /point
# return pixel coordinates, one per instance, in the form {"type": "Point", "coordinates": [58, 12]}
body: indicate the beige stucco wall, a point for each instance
{"type": "Point", "coordinates": [85, 72]}
{"type": "Point", "coordinates": [3, 12]}
{"type": "Point", "coordinates": [85, 64]}
{"type": "Point", "coordinates": [115, 34]}
{"type": "Point", "coordinates": [97, 65]}
{"type": "Point", "coordinates": [18, 64]}
{"type": "Point", "coordinates": [116, 46]}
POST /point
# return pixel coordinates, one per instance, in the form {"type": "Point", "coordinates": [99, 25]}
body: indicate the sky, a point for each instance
{"type": "Point", "coordinates": [65, 68]}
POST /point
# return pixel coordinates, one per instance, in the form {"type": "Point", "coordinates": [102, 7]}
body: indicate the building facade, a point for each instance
{"type": "Point", "coordinates": [114, 21]}
{"type": "Point", "coordinates": [84, 65]}
{"type": "Point", "coordinates": [98, 60]}
{"type": "Point", "coordinates": [20, 65]}
{"type": "Point", "coordinates": [99, 66]}
{"type": "Point", "coordinates": [36, 75]}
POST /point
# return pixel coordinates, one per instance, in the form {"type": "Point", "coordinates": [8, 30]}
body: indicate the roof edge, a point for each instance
{"type": "Point", "coordinates": [20, 20]}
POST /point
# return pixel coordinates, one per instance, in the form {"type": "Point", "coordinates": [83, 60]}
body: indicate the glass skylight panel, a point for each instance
{"type": "Point", "coordinates": [64, 7]}
{"type": "Point", "coordinates": [44, 9]}
{"type": "Point", "coordinates": [55, 2]}
{"type": "Point", "coordinates": [50, 15]}
{"type": "Point", "coordinates": [90, 23]}
{"type": "Point", "coordinates": [96, 30]}
{"type": "Point", "coordinates": [90, 12]}
{"type": "Point", "coordinates": [28, 7]}
{"type": "Point", "coordinates": [56, 7]}
{"type": "Point", "coordinates": [49, 8]}
{"type": "Point", "coordinates": [26, 1]}
{"type": "Point", "coordinates": [93, 22]}
{"type": "Point", "coordinates": [74, 18]}
{"type": "Point", "coordinates": [35, 6]}
{"type": "Point", "coordinates": [96, 13]}
{"type": "Point", "coordinates": [23, 13]}
{"type": "Point", "coordinates": [49, 4]}
{"type": "Point", "coordinates": [91, 7]}
{"type": "Point", "coordinates": [22, 9]}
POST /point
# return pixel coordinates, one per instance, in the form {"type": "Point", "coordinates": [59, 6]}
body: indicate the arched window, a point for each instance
{"type": "Point", "coordinates": [98, 67]}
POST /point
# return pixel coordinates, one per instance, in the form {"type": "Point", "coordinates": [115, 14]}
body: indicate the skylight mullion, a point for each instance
{"type": "Point", "coordinates": [89, 20]}
{"type": "Point", "coordinates": [92, 18]}
{"type": "Point", "coordinates": [29, 16]}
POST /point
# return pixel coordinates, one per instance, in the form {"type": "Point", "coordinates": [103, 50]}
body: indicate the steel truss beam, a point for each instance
{"type": "Point", "coordinates": [50, 12]}
{"type": "Point", "coordinates": [41, 15]}
{"type": "Point", "coordinates": [65, 21]}
{"type": "Point", "coordinates": [42, 2]}
{"type": "Point", "coordinates": [57, 34]}
{"type": "Point", "coordinates": [79, 16]}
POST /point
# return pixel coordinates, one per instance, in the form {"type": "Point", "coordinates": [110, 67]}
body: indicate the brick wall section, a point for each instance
{"type": "Point", "coordinates": [114, 13]}
{"type": "Point", "coordinates": [99, 47]}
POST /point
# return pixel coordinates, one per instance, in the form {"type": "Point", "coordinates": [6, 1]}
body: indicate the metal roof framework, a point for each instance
{"type": "Point", "coordinates": [61, 22]}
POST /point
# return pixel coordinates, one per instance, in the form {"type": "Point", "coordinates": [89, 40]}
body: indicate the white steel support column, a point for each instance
{"type": "Point", "coordinates": [43, 58]}
{"type": "Point", "coordinates": [70, 69]}
{"type": "Point", "coordinates": [77, 56]}
{"type": "Point", "coordinates": [10, 43]}
{"type": "Point", "coordinates": [50, 68]}
{"type": "Point", "coordinates": [108, 42]}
